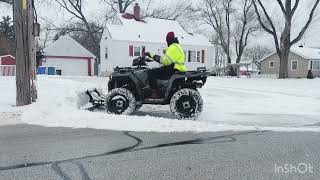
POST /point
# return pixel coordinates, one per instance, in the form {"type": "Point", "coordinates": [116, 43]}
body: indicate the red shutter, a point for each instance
{"type": "Point", "coordinates": [143, 51]}
{"type": "Point", "coordinates": [203, 56]}
{"type": "Point", "coordinates": [131, 51]}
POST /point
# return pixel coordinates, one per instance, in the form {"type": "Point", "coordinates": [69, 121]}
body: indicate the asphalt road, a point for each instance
{"type": "Point", "coordinates": [33, 152]}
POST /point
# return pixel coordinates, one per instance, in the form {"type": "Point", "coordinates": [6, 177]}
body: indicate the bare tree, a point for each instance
{"type": "Point", "coordinates": [180, 9]}
{"type": "Point", "coordinates": [256, 53]}
{"type": "Point", "coordinates": [245, 26]}
{"type": "Point", "coordinates": [219, 58]}
{"type": "Point", "coordinates": [75, 7]}
{"type": "Point", "coordinates": [284, 43]}
{"type": "Point", "coordinates": [216, 13]}
{"type": "Point", "coordinates": [120, 6]}
{"type": "Point", "coordinates": [79, 32]}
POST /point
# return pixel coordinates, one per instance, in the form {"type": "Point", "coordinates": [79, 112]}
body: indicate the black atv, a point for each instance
{"type": "Point", "coordinates": [129, 89]}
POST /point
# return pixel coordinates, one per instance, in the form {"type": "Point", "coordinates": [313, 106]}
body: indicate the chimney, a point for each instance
{"type": "Point", "coordinates": [136, 12]}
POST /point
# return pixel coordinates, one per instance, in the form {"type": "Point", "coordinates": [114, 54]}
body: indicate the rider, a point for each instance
{"type": "Point", "coordinates": [172, 61]}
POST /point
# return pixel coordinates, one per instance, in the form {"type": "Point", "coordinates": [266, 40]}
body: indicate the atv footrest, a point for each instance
{"type": "Point", "coordinates": [153, 101]}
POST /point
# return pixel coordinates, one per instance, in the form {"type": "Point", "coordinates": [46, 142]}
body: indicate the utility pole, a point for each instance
{"type": "Point", "coordinates": [23, 15]}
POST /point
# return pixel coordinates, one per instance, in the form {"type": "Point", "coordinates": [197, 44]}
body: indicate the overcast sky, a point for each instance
{"type": "Point", "coordinates": [95, 9]}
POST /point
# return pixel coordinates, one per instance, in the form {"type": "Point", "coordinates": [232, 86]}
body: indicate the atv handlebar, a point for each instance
{"type": "Point", "coordinates": [141, 61]}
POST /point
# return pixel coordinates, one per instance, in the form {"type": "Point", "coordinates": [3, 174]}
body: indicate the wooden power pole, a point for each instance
{"type": "Point", "coordinates": [23, 13]}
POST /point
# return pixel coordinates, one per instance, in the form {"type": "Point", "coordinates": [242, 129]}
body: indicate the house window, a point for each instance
{"type": "Point", "coordinates": [294, 65]}
{"type": "Point", "coordinates": [192, 56]}
{"type": "Point", "coordinates": [198, 56]}
{"type": "Point", "coordinates": [271, 64]}
{"type": "Point", "coordinates": [137, 51]}
{"type": "Point", "coordinates": [106, 55]}
{"type": "Point", "coordinates": [315, 65]}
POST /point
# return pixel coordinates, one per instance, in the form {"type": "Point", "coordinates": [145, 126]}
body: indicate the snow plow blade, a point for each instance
{"type": "Point", "coordinates": [92, 97]}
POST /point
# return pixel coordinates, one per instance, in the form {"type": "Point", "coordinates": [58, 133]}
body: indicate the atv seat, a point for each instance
{"type": "Point", "coordinates": [180, 73]}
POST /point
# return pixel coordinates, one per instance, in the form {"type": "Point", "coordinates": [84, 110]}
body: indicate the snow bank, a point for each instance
{"type": "Point", "coordinates": [230, 105]}
{"type": "Point", "coordinates": [9, 115]}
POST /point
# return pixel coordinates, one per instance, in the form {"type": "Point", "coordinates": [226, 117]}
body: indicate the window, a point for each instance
{"type": "Point", "coordinates": [192, 56]}
{"type": "Point", "coordinates": [106, 55]}
{"type": "Point", "coordinates": [294, 65]}
{"type": "Point", "coordinates": [198, 56]}
{"type": "Point", "coordinates": [137, 51]}
{"type": "Point", "coordinates": [271, 64]}
{"type": "Point", "coordinates": [315, 65]}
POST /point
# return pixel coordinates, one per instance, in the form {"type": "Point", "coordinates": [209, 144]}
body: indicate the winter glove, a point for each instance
{"type": "Point", "coordinates": [157, 58]}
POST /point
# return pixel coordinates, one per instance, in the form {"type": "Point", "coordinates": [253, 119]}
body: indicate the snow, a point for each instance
{"type": "Point", "coordinates": [153, 30]}
{"type": "Point", "coordinates": [307, 53]}
{"type": "Point", "coordinates": [66, 46]}
{"type": "Point", "coordinates": [231, 104]}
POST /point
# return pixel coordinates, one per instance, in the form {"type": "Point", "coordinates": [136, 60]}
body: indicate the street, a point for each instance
{"type": "Point", "coordinates": [35, 152]}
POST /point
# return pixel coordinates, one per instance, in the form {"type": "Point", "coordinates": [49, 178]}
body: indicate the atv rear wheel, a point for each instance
{"type": "Point", "coordinates": [186, 104]}
{"type": "Point", "coordinates": [120, 101]}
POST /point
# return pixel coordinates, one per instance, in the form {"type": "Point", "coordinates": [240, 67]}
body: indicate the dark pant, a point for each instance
{"type": "Point", "coordinates": [162, 73]}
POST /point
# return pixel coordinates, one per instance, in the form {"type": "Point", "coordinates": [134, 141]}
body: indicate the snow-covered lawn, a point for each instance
{"type": "Point", "coordinates": [230, 104]}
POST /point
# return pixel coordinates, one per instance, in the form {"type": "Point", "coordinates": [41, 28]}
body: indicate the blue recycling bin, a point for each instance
{"type": "Point", "coordinates": [41, 70]}
{"type": "Point", "coordinates": [51, 71]}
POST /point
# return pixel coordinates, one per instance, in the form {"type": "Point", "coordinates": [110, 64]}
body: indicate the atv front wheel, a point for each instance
{"type": "Point", "coordinates": [120, 101]}
{"type": "Point", "coordinates": [186, 104]}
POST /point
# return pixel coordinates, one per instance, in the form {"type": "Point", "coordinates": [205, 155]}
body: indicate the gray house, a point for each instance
{"type": "Point", "coordinates": [301, 60]}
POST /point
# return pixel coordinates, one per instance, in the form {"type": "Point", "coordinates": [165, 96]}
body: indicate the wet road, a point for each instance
{"type": "Point", "coordinates": [34, 152]}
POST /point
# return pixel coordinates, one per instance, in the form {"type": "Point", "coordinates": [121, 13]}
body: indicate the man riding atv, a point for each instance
{"type": "Point", "coordinates": [172, 61]}
{"type": "Point", "coordinates": [131, 87]}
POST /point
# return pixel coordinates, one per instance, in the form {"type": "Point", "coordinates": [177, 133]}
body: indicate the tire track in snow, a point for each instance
{"type": "Point", "coordinates": [264, 92]}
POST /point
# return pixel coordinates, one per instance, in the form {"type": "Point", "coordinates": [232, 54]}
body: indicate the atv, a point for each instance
{"type": "Point", "coordinates": [129, 89]}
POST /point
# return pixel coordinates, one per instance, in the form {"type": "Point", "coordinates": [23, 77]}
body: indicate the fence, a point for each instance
{"type": "Point", "coordinates": [270, 76]}
{"type": "Point", "coordinates": [7, 70]}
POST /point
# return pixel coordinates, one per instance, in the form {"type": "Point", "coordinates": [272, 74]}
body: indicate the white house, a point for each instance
{"type": "Point", "coordinates": [129, 37]}
{"type": "Point", "coordinates": [69, 57]}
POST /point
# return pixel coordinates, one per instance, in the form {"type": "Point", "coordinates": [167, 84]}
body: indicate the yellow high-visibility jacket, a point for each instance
{"type": "Point", "coordinates": [174, 55]}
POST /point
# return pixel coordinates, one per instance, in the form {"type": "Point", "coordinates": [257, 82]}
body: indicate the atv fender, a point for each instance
{"type": "Point", "coordinates": [114, 83]}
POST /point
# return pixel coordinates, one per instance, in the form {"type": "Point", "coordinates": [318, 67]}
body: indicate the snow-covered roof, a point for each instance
{"type": "Point", "coordinates": [153, 30]}
{"type": "Point", "coordinates": [66, 46]}
{"type": "Point", "coordinates": [7, 55]}
{"type": "Point", "coordinates": [305, 52]}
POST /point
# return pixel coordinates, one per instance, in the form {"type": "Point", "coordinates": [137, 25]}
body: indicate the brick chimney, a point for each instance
{"type": "Point", "coordinates": [136, 12]}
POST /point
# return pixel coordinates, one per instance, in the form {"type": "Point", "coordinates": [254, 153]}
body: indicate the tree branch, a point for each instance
{"type": "Point", "coordinates": [295, 6]}
{"type": "Point", "coordinates": [273, 32]}
{"type": "Point", "coordinates": [304, 29]}
{"type": "Point", "coordinates": [6, 1]}
{"type": "Point", "coordinates": [281, 6]}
